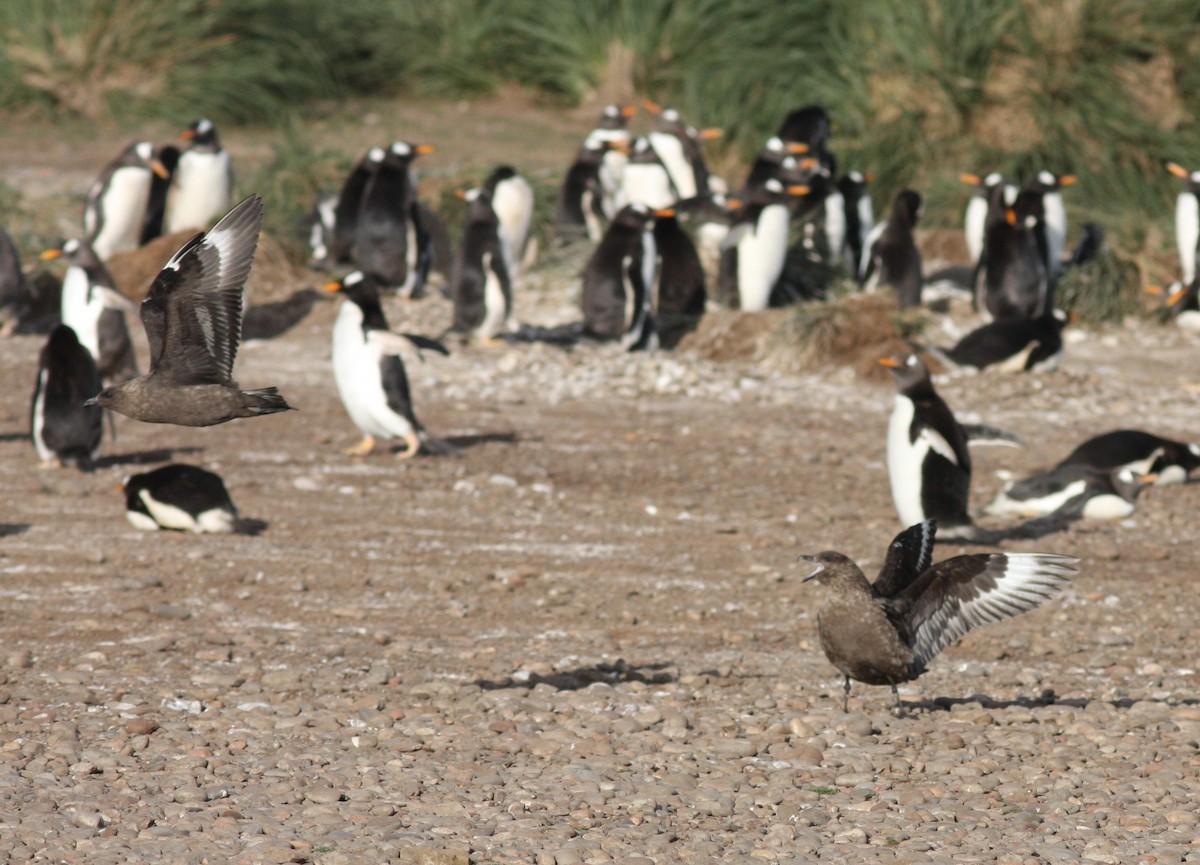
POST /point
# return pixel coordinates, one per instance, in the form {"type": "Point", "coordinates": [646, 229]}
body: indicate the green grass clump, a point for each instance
{"type": "Point", "coordinates": [1105, 289]}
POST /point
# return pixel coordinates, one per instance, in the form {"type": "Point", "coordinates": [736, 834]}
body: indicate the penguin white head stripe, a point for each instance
{"type": "Point", "coordinates": [774, 144]}
{"type": "Point", "coordinates": [401, 148]}
{"type": "Point", "coordinates": [203, 125]}
{"type": "Point", "coordinates": [376, 154]}
{"type": "Point", "coordinates": [144, 150]}
{"type": "Point", "coordinates": [1047, 178]}
{"type": "Point", "coordinates": [353, 278]}
{"type": "Point", "coordinates": [1195, 449]}
{"type": "Point", "coordinates": [773, 185]}
{"type": "Point", "coordinates": [70, 247]}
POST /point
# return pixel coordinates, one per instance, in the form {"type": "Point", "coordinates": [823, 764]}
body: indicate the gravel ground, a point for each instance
{"type": "Point", "coordinates": [583, 638]}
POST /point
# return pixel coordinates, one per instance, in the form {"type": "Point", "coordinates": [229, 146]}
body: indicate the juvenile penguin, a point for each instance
{"type": "Point", "coordinates": [95, 310]}
{"type": "Point", "coordinates": [192, 316]}
{"type": "Point", "coordinates": [928, 464]}
{"type": "Point", "coordinates": [858, 219]}
{"type": "Point", "coordinates": [202, 183]}
{"type": "Point", "coordinates": [975, 219]}
{"type": "Point", "coordinates": [480, 283]}
{"type": "Point", "coordinates": [892, 258]}
{"type": "Point", "coordinates": [181, 497]}
{"type": "Point", "coordinates": [887, 632]}
{"type": "Point", "coordinates": [343, 222]}
{"type": "Point", "coordinates": [115, 213]}
{"type": "Point", "coordinates": [16, 300]}
{"type": "Point", "coordinates": [391, 243]}
{"type": "Point", "coordinates": [756, 247]}
{"type": "Point", "coordinates": [1010, 278]}
{"type": "Point", "coordinates": [512, 201]}
{"type": "Point", "coordinates": [619, 279]}
{"type": "Point", "coordinates": [65, 428]}
{"type": "Point", "coordinates": [681, 293]}
{"type": "Point", "coordinates": [368, 368]}
{"type": "Point", "coordinates": [1187, 220]}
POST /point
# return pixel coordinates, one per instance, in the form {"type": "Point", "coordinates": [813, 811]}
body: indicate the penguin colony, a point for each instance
{"type": "Point", "coordinates": [664, 240]}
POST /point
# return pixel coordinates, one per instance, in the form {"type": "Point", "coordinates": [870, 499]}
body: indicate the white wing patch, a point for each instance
{"type": "Point", "coordinates": [937, 443]}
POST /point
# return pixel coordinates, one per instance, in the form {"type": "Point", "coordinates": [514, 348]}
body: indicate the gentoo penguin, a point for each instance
{"type": "Point", "coordinates": [1010, 279]}
{"type": "Point", "coordinates": [115, 213]}
{"type": "Point", "coordinates": [343, 225]}
{"type": "Point", "coordinates": [809, 126]}
{"type": "Point", "coordinates": [1012, 344]}
{"type": "Point", "coordinates": [160, 185]}
{"type": "Point", "coordinates": [579, 211]}
{"type": "Point", "coordinates": [756, 248]}
{"type": "Point", "coordinates": [63, 426]}
{"type": "Point", "coordinates": [612, 136]}
{"type": "Point", "coordinates": [390, 241]}
{"type": "Point", "coordinates": [180, 497]}
{"type": "Point", "coordinates": [928, 464]}
{"type": "Point", "coordinates": [512, 201]}
{"type": "Point", "coordinates": [1144, 453]}
{"type": "Point", "coordinates": [678, 146]}
{"type": "Point", "coordinates": [368, 368]}
{"type": "Point", "coordinates": [16, 300]}
{"type": "Point", "coordinates": [480, 283]}
{"type": "Point", "coordinates": [858, 219]}
{"type": "Point", "coordinates": [1187, 221]}
{"type": "Point", "coordinates": [891, 257]}
{"type": "Point", "coordinates": [1054, 217]}
{"type": "Point", "coordinates": [94, 309]}
{"type": "Point", "coordinates": [681, 293]}
{"type": "Point", "coordinates": [1074, 492]}
{"type": "Point", "coordinates": [202, 183]}
{"type": "Point", "coordinates": [777, 160]}
{"type": "Point", "coordinates": [619, 279]}
{"type": "Point", "coordinates": [975, 219]}
{"type": "Point", "coordinates": [646, 180]}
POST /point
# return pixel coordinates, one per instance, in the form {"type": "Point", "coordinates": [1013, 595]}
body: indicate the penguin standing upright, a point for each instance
{"type": "Point", "coordinates": [480, 283]}
{"type": "Point", "coordinates": [927, 460]}
{"type": "Point", "coordinates": [776, 159]}
{"type": "Point", "coordinates": [181, 497]}
{"type": "Point", "coordinates": [368, 368]}
{"type": "Point", "coordinates": [1010, 278]}
{"type": "Point", "coordinates": [512, 201]}
{"type": "Point", "coordinates": [202, 183]}
{"type": "Point", "coordinates": [115, 213]}
{"type": "Point", "coordinates": [681, 296]}
{"type": "Point", "coordinates": [390, 241]}
{"type": "Point", "coordinates": [893, 258]}
{"type": "Point", "coordinates": [322, 227]}
{"type": "Point", "coordinates": [167, 156]}
{"type": "Point", "coordinates": [757, 245]}
{"type": "Point", "coordinates": [95, 311]}
{"type": "Point", "coordinates": [343, 224]}
{"type": "Point", "coordinates": [859, 218]}
{"type": "Point", "coordinates": [1054, 218]}
{"type": "Point", "coordinates": [612, 136]}
{"type": "Point", "coordinates": [678, 146]}
{"type": "Point", "coordinates": [619, 280]}
{"type": "Point", "coordinates": [646, 180]}
{"type": "Point", "coordinates": [579, 211]}
{"type": "Point", "coordinates": [1187, 221]}
{"type": "Point", "coordinates": [975, 218]}
{"type": "Point", "coordinates": [809, 126]}
{"type": "Point", "coordinates": [64, 429]}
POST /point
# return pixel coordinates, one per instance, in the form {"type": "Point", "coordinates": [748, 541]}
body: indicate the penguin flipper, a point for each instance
{"type": "Point", "coordinates": [427, 342]}
{"type": "Point", "coordinates": [982, 434]}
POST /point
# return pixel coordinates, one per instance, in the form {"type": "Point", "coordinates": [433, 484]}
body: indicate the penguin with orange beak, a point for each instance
{"type": "Point", "coordinates": [202, 185]}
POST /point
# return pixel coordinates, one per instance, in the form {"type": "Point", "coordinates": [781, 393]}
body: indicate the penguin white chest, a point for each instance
{"type": "Point", "coordinates": [358, 375]}
{"type": "Point", "coordinates": [494, 302]}
{"type": "Point", "coordinates": [905, 462]}
{"type": "Point", "coordinates": [648, 184]}
{"type": "Point", "coordinates": [670, 150]}
{"type": "Point", "coordinates": [760, 257]}
{"type": "Point", "coordinates": [1187, 233]}
{"type": "Point", "coordinates": [975, 220]}
{"type": "Point", "coordinates": [78, 312]}
{"type": "Point", "coordinates": [123, 209]}
{"type": "Point", "coordinates": [200, 191]}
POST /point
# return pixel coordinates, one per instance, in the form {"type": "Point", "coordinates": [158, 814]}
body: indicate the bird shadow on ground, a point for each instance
{"type": "Point", "coordinates": [453, 446]}
{"type": "Point", "coordinates": [1046, 698]}
{"type": "Point", "coordinates": [22, 436]}
{"type": "Point", "coordinates": [249, 526]}
{"type": "Point", "coordinates": [137, 458]}
{"type": "Point", "coordinates": [7, 529]}
{"type": "Point", "coordinates": [574, 680]}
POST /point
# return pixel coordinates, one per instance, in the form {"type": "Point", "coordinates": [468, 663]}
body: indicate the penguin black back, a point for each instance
{"type": "Point", "coordinates": [1011, 279]}
{"type": "Point", "coordinates": [895, 257]}
{"type": "Point", "coordinates": [480, 264]}
{"type": "Point", "coordinates": [64, 429]}
{"type": "Point", "coordinates": [614, 280]}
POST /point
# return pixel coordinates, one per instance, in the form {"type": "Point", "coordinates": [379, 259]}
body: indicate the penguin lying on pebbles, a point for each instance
{"type": "Point", "coordinates": [369, 371]}
{"type": "Point", "coordinates": [1072, 492]}
{"type": "Point", "coordinates": [1011, 345]}
{"type": "Point", "coordinates": [180, 497]}
{"type": "Point", "coordinates": [1172, 462]}
{"type": "Point", "coordinates": [64, 427]}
